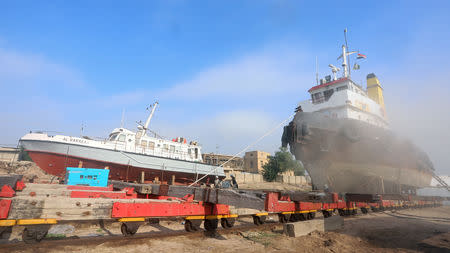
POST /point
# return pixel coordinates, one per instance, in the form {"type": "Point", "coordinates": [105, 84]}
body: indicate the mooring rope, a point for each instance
{"type": "Point", "coordinates": [249, 146]}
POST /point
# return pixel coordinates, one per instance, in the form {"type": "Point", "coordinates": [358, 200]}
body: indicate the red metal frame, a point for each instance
{"type": "Point", "coordinates": [167, 209]}
{"type": "Point", "coordinates": [5, 204]}
{"type": "Point", "coordinates": [7, 192]}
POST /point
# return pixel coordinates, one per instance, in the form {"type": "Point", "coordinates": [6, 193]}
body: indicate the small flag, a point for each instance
{"type": "Point", "coordinates": [361, 56]}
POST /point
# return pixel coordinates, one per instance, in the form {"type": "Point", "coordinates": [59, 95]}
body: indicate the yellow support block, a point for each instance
{"type": "Point", "coordinates": [7, 223]}
{"type": "Point", "coordinates": [212, 217]}
{"type": "Point", "coordinates": [199, 217]}
{"type": "Point", "coordinates": [36, 221]}
{"type": "Point", "coordinates": [131, 219]}
{"type": "Point", "coordinates": [330, 209]}
{"type": "Point", "coordinates": [287, 212]}
{"type": "Point", "coordinates": [261, 214]}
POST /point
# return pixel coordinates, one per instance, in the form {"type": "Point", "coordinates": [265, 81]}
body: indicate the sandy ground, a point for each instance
{"type": "Point", "coordinates": [414, 230]}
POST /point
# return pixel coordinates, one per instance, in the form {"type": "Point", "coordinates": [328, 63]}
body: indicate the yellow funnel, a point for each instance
{"type": "Point", "coordinates": [374, 89]}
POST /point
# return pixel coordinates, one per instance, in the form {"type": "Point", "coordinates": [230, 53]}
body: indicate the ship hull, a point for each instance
{"type": "Point", "coordinates": [54, 157]}
{"type": "Point", "coordinates": [347, 155]}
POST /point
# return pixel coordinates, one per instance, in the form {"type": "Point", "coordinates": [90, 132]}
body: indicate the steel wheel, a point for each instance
{"type": "Point", "coordinates": [211, 225]}
{"type": "Point", "coordinates": [259, 220]}
{"type": "Point", "coordinates": [227, 222]}
{"type": "Point", "coordinates": [283, 218]}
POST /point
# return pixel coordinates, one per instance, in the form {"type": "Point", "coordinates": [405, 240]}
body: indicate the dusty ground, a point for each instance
{"type": "Point", "coordinates": [414, 230]}
{"type": "Point", "coordinates": [30, 171]}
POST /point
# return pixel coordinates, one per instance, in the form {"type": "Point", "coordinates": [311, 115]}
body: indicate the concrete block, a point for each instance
{"type": "Point", "coordinates": [296, 229]}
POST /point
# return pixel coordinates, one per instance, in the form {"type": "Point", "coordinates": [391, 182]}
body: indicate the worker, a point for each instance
{"type": "Point", "coordinates": [234, 184]}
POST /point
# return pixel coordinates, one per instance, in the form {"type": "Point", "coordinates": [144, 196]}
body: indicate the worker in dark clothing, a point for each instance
{"type": "Point", "coordinates": [234, 184]}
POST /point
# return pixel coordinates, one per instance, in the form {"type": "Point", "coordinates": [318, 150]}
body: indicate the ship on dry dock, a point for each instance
{"type": "Point", "coordinates": [343, 139]}
{"type": "Point", "coordinates": [129, 155]}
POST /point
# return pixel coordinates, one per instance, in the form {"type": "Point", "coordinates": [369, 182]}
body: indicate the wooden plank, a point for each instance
{"type": "Point", "coordinates": [67, 208]}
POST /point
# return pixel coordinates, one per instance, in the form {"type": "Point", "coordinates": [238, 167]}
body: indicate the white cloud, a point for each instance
{"type": "Point", "coordinates": [231, 131]}
{"type": "Point", "coordinates": [264, 73]}
{"type": "Point", "coordinates": [32, 69]}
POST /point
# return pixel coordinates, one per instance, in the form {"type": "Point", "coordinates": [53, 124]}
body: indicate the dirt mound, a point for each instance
{"type": "Point", "coordinates": [30, 171]}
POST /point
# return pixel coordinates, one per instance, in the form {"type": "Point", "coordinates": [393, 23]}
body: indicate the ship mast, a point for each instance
{"type": "Point", "coordinates": [147, 122]}
{"type": "Point", "coordinates": [345, 53]}
{"type": "Point", "coordinates": [344, 61]}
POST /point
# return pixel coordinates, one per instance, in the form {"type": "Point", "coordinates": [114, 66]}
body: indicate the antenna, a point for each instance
{"type": "Point", "coordinates": [82, 128]}
{"type": "Point", "coordinates": [346, 45]}
{"type": "Point", "coordinates": [317, 71]}
{"type": "Point", "coordinates": [123, 118]}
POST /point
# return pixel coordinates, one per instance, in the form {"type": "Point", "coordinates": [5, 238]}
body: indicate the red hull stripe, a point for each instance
{"type": "Point", "coordinates": [55, 164]}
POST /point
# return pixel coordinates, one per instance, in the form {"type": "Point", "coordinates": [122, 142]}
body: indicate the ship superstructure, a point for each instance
{"type": "Point", "coordinates": [342, 137]}
{"type": "Point", "coordinates": [131, 156]}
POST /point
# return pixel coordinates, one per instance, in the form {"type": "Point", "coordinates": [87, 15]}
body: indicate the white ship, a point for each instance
{"type": "Point", "coordinates": [342, 137]}
{"type": "Point", "coordinates": [130, 156]}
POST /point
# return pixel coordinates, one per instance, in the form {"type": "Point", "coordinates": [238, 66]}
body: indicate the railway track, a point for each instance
{"type": "Point", "coordinates": [242, 226]}
{"type": "Point", "coordinates": [37, 207]}
{"type": "Point", "coordinates": [137, 238]}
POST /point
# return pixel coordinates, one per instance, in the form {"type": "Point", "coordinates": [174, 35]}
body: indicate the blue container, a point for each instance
{"type": "Point", "coordinates": [85, 176]}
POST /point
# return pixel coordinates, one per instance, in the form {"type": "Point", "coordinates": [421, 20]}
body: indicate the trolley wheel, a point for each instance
{"type": "Point", "coordinates": [227, 222]}
{"type": "Point", "coordinates": [364, 210]}
{"type": "Point", "coordinates": [341, 212]}
{"type": "Point", "coordinates": [259, 220]}
{"type": "Point", "coordinates": [311, 216]}
{"type": "Point", "coordinates": [5, 231]}
{"type": "Point", "coordinates": [129, 228]}
{"type": "Point", "coordinates": [354, 212]}
{"type": "Point", "coordinates": [33, 234]}
{"type": "Point", "coordinates": [294, 217]}
{"type": "Point", "coordinates": [192, 225]}
{"type": "Point", "coordinates": [283, 218]}
{"type": "Point", "coordinates": [326, 214]}
{"type": "Point", "coordinates": [211, 225]}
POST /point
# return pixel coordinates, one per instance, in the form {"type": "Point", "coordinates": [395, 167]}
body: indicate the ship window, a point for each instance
{"type": "Point", "coordinates": [342, 88]}
{"type": "Point", "coordinates": [196, 153]}
{"type": "Point", "coordinates": [121, 137]}
{"type": "Point", "coordinates": [317, 97]}
{"type": "Point", "coordinates": [112, 137]}
{"type": "Point", "coordinates": [166, 147]}
{"type": "Point", "coordinates": [151, 145]}
{"type": "Point", "coordinates": [327, 94]}
{"type": "Point", "coordinates": [172, 148]}
{"type": "Point", "coordinates": [143, 144]}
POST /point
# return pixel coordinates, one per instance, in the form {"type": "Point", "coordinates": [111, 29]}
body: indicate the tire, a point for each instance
{"type": "Point", "coordinates": [283, 218]}
{"type": "Point", "coordinates": [259, 220]}
{"type": "Point", "coordinates": [227, 222]}
{"type": "Point", "coordinates": [192, 225]}
{"type": "Point", "coordinates": [211, 225]}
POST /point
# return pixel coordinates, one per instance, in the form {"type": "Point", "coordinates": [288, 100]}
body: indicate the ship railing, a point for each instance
{"type": "Point", "coordinates": [170, 154]}
{"type": "Point", "coordinates": [176, 168]}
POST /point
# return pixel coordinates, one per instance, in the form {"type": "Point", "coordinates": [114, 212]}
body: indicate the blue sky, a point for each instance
{"type": "Point", "coordinates": [224, 73]}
